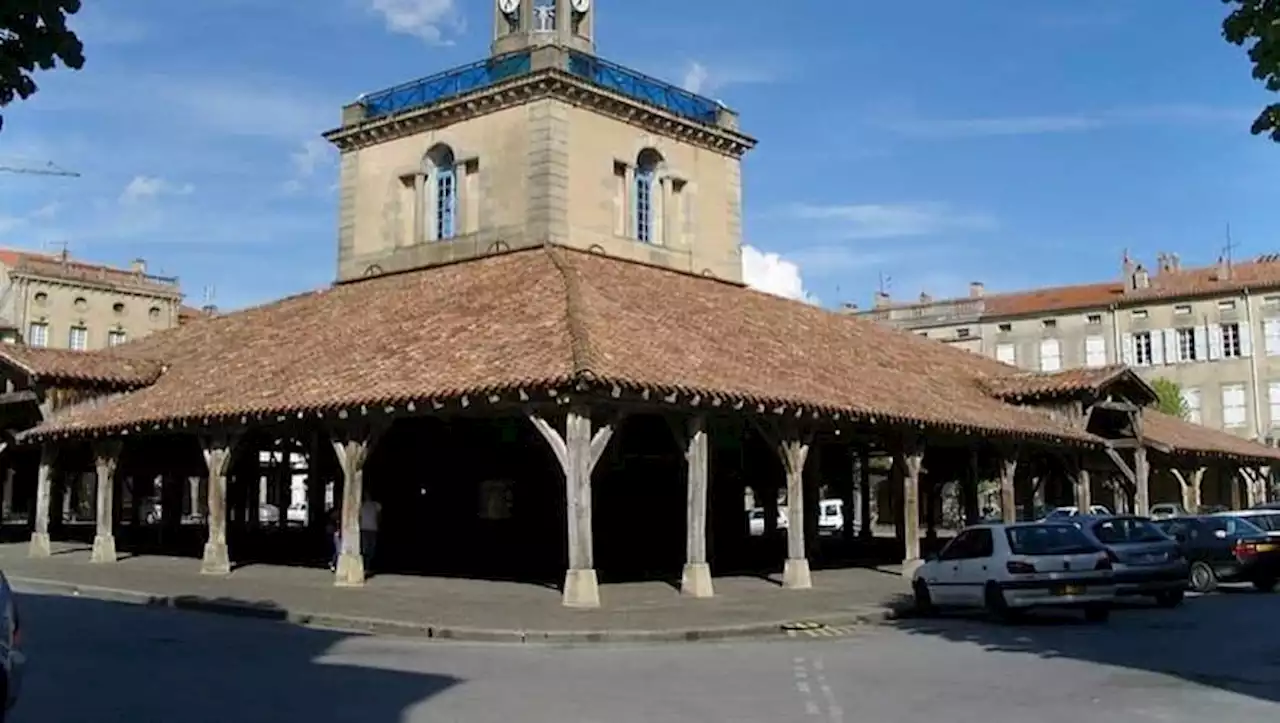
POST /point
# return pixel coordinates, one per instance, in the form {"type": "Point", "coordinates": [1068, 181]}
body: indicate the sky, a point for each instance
{"type": "Point", "coordinates": [918, 145]}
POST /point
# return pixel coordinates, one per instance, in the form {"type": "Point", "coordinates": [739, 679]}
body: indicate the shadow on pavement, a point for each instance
{"type": "Point", "coordinates": [106, 662]}
{"type": "Point", "coordinates": [1228, 640]}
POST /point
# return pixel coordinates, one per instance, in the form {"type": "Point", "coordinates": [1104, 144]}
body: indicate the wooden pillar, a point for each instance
{"type": "Point", "coordinates": [865, 492]}
{"type": "Point", "coordinates": [1190, 484]}
{"type": "Point", "coordinates": [793, 448]}
{"type": "Point", "coordinates": [1008, 502]}
{"type": "Point", "coordinates": [695, 580]}
{"type": "Point", "coordinates": [911, 457]}
{"type": "Point", "coordinates": [352, 445]}
{"type": "Point", "coordinates": [40, 544]}
{"type": "Point", "coordinates": [578, 451]}
{"type": "Point", "coordinates": [1141, 482]}
{"type": "Point", "coordinates": [1084, 492]}
{"type": "Point", "coordinates": [218, 450]}
{"type": "Point", "coordinates": [849, 493]}
{"type": "Point", "coordinates": [106, 457]}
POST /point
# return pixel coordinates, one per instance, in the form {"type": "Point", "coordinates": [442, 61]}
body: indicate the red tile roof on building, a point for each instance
{"type": "Point", "coordinates": [60, 267]}
{"type": "Point", "coordinates": [1039, 385]}
{"type": "Point", "coordinates": [80, 368]}
{"type": "Point", "coordinates": [1259, 274]}
{"type": "Point", "coordinates": [1183, 438]}
{"type": "Point", "coordinates": [545, 317]}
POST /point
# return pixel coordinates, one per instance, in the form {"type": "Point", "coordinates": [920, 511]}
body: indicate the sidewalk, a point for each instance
{"type": "Point", "coordinates": [463, 609]}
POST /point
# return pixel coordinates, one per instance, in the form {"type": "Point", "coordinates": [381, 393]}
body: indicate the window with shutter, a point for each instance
{"type": "Point", "coordinates": [1271, 336]}
{"type": "Point", "coordinates": [1191, 400]}
{"type": "Point", "coordinates": [1050, 355]}
{"type": "Point", "coordinates": [1273, 396]}
{"type": "Point", "coordinates": [1233, 406]}
{"type": "Point", "coordinates": [1006, 353]}
{"type": "Point", "coordinates": [1095, 351]}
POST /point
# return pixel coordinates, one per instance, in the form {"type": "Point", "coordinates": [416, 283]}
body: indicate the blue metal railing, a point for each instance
{"type": "Point", "coordinates": [641, 87]}
{"type": "Point", "coordinates": [446, 85]}
{"type": "Point", "coordinates": [468, 78]}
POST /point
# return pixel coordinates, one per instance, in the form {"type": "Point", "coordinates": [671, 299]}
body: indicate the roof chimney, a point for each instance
{"type": "Point", "coordinates": [1224, 268]}
{"type": "Point", "coordinates": [925, 298]}
{"type": "Point", "coordinates": [139, 266]}
{"type": "Point", "coordinates": [1141, 279]}
{"type": "Point", "coordinates": [882, 300]}
{"type": "Point", "coordinates": [849, 307]}
{"type": "Point", "coordinates": [977, 289]}
{"type": "Point", "coordinates": [1175, 262]}
{"type": "Point", "coordinates": [1127, 268]}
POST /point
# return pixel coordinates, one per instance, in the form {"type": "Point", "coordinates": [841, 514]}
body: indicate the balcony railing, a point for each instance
{"type": "Point", "coordinates": [477, 76]}
{"type": "Point", "coordinates": [446, 85]}
{"type": "Point", "coordinates": [643, 88]}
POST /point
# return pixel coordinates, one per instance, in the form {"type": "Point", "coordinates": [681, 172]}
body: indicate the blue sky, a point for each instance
{"type": "Point", "coordinates": [935, 142]}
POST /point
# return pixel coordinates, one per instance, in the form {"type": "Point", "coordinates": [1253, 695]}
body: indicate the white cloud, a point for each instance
{"type": "Point", "coordinates": [885, 221]}
{"type": "Point", "coordinates": [143, 188]}
{"type": "Point", "coordinates": [314, 160]}
{"type": "Point", "coordinates": [425, 19]}
{"type": "Point", "coordinates": [996, 126]}
{"type": "Point", "coordinates": [771, 273]}
{"type": "Point", "coordinates": [703, 78]}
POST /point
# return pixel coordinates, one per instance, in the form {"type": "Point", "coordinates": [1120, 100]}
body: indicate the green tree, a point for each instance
{"type": "Point", "coordinates": [34, 35]}
{"type": "Point", "coordinates": [1256, 23]}
{"type": "Point", "coordinates": [1169, 398]}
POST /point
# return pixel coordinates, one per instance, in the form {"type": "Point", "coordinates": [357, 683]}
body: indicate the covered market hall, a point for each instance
{"type": "Point", "coordinates": [559, 416]}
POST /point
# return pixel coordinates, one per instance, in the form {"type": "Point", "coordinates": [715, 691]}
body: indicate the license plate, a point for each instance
{"type": "Point", "coordinates": [1266, 548]}
{"type": "Point", "coordinates": [1070, 590]}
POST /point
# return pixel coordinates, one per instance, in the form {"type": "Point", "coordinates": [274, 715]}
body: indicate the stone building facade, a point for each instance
{"type": "Point", "coordinates": [58, 302]}
{"type": "Point", "coordinates": [1213, 330]}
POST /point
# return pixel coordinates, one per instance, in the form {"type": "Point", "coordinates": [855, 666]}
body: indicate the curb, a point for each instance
{"type": "Point", "coordinates": [404, 629]}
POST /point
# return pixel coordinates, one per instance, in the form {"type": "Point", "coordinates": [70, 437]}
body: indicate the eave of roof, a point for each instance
{"type": "Point", "coordinates": [81, 368]}
{"type": "Point", "coordinates": [1180, 437]}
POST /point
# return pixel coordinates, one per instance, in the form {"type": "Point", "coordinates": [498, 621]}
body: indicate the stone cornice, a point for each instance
{"type": "Point", "coordinates": [546, 83]}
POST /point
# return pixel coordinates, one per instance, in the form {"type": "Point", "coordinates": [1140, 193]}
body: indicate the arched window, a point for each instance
{"type": "Point", "coordinates": [645, 195]}
{"type": "Point", "coordinates": [443, 187]}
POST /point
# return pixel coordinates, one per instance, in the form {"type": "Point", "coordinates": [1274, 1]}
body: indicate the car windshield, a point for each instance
{"type": "Point", "coordinates": [1233, 526]}
{"type": "Point", "coordinates": [1048, 540]}
{"type": "Point", "coordinates": [1126, 529]}
{"type": "Point", "coordinates": [1268, 522]}
{"type": "Point", "coordinates": [1061, 513]}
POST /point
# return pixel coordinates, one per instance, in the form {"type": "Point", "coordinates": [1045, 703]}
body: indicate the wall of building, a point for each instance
{"type": "Point", "coordinates": [105, 314]}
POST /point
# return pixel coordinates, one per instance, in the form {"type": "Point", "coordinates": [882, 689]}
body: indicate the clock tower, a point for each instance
{"type": "Point", "coordinates": [543, 141]}
{"type": "Point", "coordinates": [520, 24]}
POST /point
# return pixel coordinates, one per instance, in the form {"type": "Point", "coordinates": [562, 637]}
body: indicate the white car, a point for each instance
{"type": "Point", "coordinates": [1064, 513]}
{"type": "Point", "coordinates": [830, 516]}
{"type": "Point", "coordinates": [1267, 520]}
{"type": "Point", "coordinates": [1007, 569]}
{"type": "Point", "coordinates": [1167, 510]}
{"type": "Point", "coordinates": [755, 520]}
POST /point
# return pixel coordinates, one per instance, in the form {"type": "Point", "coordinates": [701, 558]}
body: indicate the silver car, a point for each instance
{"type": "Point", "coordinates": [11, 658]}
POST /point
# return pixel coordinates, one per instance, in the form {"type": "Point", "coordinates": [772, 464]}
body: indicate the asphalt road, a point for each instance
{"type": "Point", "coordinates": [1218, 658]}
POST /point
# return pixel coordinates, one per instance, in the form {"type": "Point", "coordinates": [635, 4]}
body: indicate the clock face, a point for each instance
{"type": "Point", "coordinates": [508, 6]}
{"type": "Point", "coordinates": [581, 6]}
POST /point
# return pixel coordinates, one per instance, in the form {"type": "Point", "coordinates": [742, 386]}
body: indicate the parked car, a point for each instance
{"type": "Point", "coordinates": [830, 517]}
{"type": "Point", "coordinates": [1267, 520]}
{"type": "Point", "coordinates": [1007, 569]}
{"type": "Point", "coordinates": [755, 520]}
{"type": "Point", "coordinates": [1062, 514]}
{"type": "Point", "coordinates": [1267, 506]}
{"type": "Point", "coordinates": [1224, 548]}
{"type": "Point", "coordinates": [1147, 561]}
{"type": "Point", "coordinates": [1165, 510]}
{"type": "Point", "coordinates": [297, 513]}
{"type": "Point", "coordinates": [12, 660]}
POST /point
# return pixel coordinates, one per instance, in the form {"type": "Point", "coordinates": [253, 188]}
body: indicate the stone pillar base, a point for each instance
{"type": "Point", "coordinates": [40, 545]}
{"type": "Point", "coordinates": [695, 581]}
{"type": "Point", "coordinates": [350, 571]}
{"type": "Point", "coordinates": [909, 567]}
{"type": "Point", "coordinates": [581, 589]}
{"type": "Point", "coordinates": [104, 548]}
{"type": "Point", "coordinates": [216, 560]}
{"type": "Point", "coordinates": [795, 574]}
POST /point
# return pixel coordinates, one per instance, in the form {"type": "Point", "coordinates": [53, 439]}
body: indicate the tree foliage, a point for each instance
{"type": "Point", "coordinates": [1256, 24]}
{"type": "Point", "coordinates": [34, 36]}
{"type": "Point", "coordinates": [1169, 398]}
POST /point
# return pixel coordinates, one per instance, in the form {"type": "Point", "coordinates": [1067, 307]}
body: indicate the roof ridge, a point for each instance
{"type": "Point", "coordinates": [579, 335]}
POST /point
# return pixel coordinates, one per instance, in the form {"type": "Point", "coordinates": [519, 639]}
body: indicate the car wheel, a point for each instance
{"type": "Point", "coordinates": [1203, 578]}
{"type": "Point", "coordinates": [1097, 613]}
{"type": "Point", "coordinates": [923, 600]}
{"type": "Point", "coordinates": [1265, 585]}
{"type": "Point", "coordinates": [1170, 598]}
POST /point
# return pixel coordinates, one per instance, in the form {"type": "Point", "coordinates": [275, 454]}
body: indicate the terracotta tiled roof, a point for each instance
{"type": "Point", "coordinates": [1185, 438]}
{"type": "Point", "coordinates": [1259, 274]}
{"type": "Point", "coordinates": [544, 317]}
{"type": "Point", "coordinates": [80, 367]}
{"type": "Point", "coordinates": [48, 265]}
{"type": "Point", "coordinates": [1038, 385]}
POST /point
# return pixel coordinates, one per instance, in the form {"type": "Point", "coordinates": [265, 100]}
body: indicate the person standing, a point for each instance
{"type": "Point", "coordinates": [334, 528]}
{"type": "Point", "coordinates": [370, 514]}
